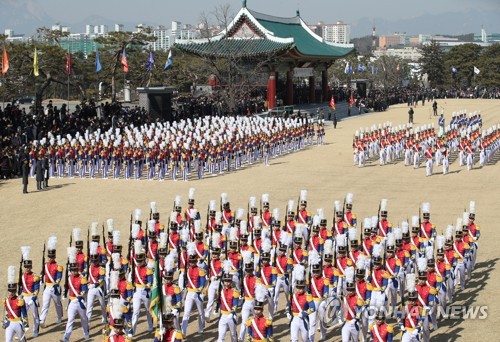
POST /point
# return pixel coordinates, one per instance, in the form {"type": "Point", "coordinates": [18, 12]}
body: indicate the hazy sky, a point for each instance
{"type": "Point", "coordinates": [188, 11]}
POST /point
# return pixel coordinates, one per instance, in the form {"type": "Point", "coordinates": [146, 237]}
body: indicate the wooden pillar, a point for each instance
{"type": "Point", "coordinates": [289, 87]}
{"type": "Point", "coordinates": [324, 84]}
{"type": "Point", "coordinates": [312, 89]}
{"type": "Point", "coordinates": [271, 90]}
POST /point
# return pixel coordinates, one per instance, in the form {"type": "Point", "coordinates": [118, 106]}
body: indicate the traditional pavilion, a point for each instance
{"type": "Point", "coordinates": [293, 45]}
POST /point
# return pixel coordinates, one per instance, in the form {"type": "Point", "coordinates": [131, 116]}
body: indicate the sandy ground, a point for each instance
{"type": "Point", "coordinates": [325, 171]}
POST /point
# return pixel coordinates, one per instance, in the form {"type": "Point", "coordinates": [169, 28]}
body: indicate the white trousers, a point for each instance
{"type": "Point", "coordinates": [212, 291]}
{"type": "Point", "coordinates": [410, 336]}
{"type": "Point", "coordinates": [31, 306]}
{"type": "Point", "coordinates": [74, 308]}
{"type": "Point", "coordinates": [299, 326]}
{"type": "Point", "coordinates": [429, 166]}
{"type": "Point", "coordinates": [227, 321]}
{"type": "Point", "coordinates": [193, 298]}
{"type": "Point", "coordinates": [93, 294]}
{"type": "Point", "coordinates": [350, 331]}
{"type": "Point", "coordinates": [14, 328]}
{"type": "Point", "coordinates": [246, 311]}
{"type": "Point", "coordinates": [280, 282]}
{"type": "Point", "coordinates": [460, 275]}
{"type": "Point", "coordinates": [141, 296]}
{"type": "Point", "coordinates": [48, 295]}
{"type": "Point", "coordinates": [446, 165]}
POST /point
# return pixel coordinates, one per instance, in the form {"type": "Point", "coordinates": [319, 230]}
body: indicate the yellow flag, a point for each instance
{"type": "Point", "coordinates": [35, 64]}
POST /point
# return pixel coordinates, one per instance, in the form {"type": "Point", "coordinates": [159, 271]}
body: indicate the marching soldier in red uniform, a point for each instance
{"type": "Point", "coordinates": [349, 217]}
{"type": "Point", "coordinates": [15, 321]}
{"type": "Point", "coordinates": [228, 302]}
{"type": "Point", "coordinates": [259, 328]}
{"type": "Point", "coordinates": [411, 323]}
{"type": "Point", "coordinates": [426, 297]}
{"type": "Point", "coordinates": [319, 288]}
{"type": "Point", "coordinates": [392, 266]}
{"type": "Point", "coordinates": [363, 292]}
{"type": "Point", "coordinates": [339, 227]}
{"type": "Point", "coordinates": [77, 286]}
{"type": "Point", "coordinates": [299, 256]}
{"type": "Point", "coordinates": [303, 216]}
{"type": "Point", "coordinates": [381, 331]}
{"type": "Point", "coordinates": [301, 306]}
{"type": "Point", "coordinates": [290, 220]}
{"type": "Point", "coordinates": [169, 334]}
{"type": "Point", "coordinates": [341, 263]}
{"type": "Point", "coordinates": [52, 275]}
{"type": "Point", "coordinates": [249, 283]}
{"type": "Point", "coordinates": [95, 282]}
{"type": "Point", "coordinates": [196, 280]}
{"type": "Point", "coordinates": [171, 292]}
{"type": "Point", "coordinates": [81, 258]}
{"type": "Point", "coordinates": [215, 272]}
{"type": "Point", "coordinates": [266, 216]}
{"type": "Point", "coordinates": [152, 242]}
{"type": "Point", "coordinates": [30, 285]}
{"type": "Point", "coordinates": [267, 274]}
{"type": "Point", "coordinates": [284, 266]}
{"type": "Point", "coordinates": [227, 213]}
{"type": "Point", "coordinates": [142, 278]}
{"type": "Point", "coordinates": [354, 251]}
{"type": "Point", "coordinates": [351, 305]}
{"type": "Point", "coordinates": [384, 226]}
{"type": "Point", "coordinates": [117, 335]}
{"type": "Point", "coordinates": [427, 229]}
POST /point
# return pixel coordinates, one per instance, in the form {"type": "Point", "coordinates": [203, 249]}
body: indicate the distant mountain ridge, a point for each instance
{"type": "Point", "coordinates": [450, 23]}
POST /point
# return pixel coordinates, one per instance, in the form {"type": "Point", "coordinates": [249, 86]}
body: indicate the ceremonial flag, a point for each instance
{"type": "Point", "coordinates": [351, 101]}
{"type": "Point", "coordinates": [68, 63]}
{"type": "Point", "coordinates": [98, 66]}
{"type": "Point", "coordinates": [476, 70]}
{"type": "Point", "coordinates": [155, 307]}
{"type": "Point", "coordinates": [332, 103]}
{"type": "Point", "coordinates": [5, 62]}
{"type": "Point", "coordinates": [360, 68]}
{"type": "Point", "coordinates": [170, 61]}
{"type": "Point", "coordinates": [151, 62]}
{"type": "Point", "coordinates": [346, 70]}
{"type": "Point", "coordinates": [35, 64]}
{"type": "Point", "coordinates": [453, 69]}
{"type": "Point", "coordinates": [124, 61]}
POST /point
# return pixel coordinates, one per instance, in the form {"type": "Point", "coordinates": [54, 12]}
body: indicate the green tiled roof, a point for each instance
{"type": "Point", "coordinates": [234, 47]}
{"type": "Point", "coordinates": [304, 42]}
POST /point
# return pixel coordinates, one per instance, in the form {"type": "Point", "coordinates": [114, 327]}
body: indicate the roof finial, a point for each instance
{"type": "Point", "coordinates": [244, 3]}
{"type": "Point", "coordinates": [298, 13]}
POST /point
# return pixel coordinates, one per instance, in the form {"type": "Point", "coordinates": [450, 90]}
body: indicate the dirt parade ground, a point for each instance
{"type": "Point", "coordinates": [326, 171]}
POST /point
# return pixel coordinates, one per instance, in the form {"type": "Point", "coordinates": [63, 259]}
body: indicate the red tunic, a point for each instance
{"type": "Point", "coordinates": [249, 283]}
{"type": "Point", "coordinates": [266, 272]}
{"type": "Point", "coordinates": [349, 304]}
{"type": "Point", "coordinates": [266, 219]}
{"type": "Point", "coordinates": [74, 286]}
{"type": "Point", "coordinates": [27, 282]}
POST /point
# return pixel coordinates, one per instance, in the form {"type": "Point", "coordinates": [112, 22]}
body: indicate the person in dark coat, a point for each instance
{"type": "Point", "coordinates": [335, 120]}
{"type": "Point", "coordinates": [45, 172]}
{"type": "Point", "coordinates": [39, 176]}
{"type": "Point", "coordinates": [25, 170]}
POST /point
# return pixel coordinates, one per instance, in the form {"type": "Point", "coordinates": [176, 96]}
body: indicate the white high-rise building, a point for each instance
{"type": "Point", "coordinates": [119, 28]}
{"type": "Point", "coordinates": [339, 33]}
{"type": "Point", "coordinates": [89, 29]}
{"type": "Point", "coordinates": [162, 36]}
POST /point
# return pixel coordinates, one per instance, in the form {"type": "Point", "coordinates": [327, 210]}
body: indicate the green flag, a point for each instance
{"type": "Point", "coordinates": [156, 296]}
{"type": "Point", "coordinates": [35, 64]}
